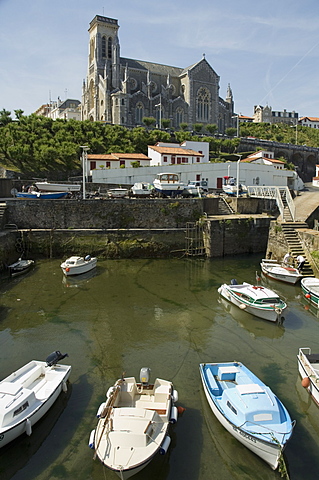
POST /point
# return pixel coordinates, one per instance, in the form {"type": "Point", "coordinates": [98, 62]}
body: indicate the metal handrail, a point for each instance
{"type": "Point", "coordinates": [276, 193]}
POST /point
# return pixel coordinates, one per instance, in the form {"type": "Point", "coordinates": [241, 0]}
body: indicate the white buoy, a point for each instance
{"type": "Point", "coordinates": [28, 427]}
{"type": "Point", "coordinates": [64, 387]}
{"type": "Point", "coordinates": [242, 306]}
{"type": "Point", "coordinates": [175, 396]}
{"type": "Point", "coordinates": [174, 415]}
{"type": "Point", "coordinates": [91, 440]}
{"type": "Point", "coordinates": [100, 409]}
{"type": "Point", "coordinates": [164, 447]}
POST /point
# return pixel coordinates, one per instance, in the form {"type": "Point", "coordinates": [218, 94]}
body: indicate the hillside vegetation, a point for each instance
{"type": "Point", "coordinates": [52, 148]}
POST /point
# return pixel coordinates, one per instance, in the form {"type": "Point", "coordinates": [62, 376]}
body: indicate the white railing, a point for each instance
{"type": "Point", "coordinates": [277, 193]}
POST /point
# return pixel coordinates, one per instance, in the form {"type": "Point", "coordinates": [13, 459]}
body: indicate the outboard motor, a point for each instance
{"type": "Point", "coordinates": [233, 281]}
{"type": "Point", "coordinates": [55, 357]}
{"type": "Point", "coordinates": [145, 376]}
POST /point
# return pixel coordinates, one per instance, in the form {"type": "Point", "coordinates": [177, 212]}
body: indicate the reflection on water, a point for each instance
{"type": "Point", "coordinates": [166, 315]}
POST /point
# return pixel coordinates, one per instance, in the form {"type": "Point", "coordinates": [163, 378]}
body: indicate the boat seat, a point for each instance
{"type": "Point", "coordinates": [313, 357]}
{"type": "Point", "coordinates": [214, 387]}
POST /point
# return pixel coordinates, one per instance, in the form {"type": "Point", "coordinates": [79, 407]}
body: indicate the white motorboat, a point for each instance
{"type": "Point", "coordinates": [133, 424]}
{"type": "Point", "coordinates": [20, 266]}
{"type": "Point", "coordinates": [76, 265]}
{"type": "Point", "coordinates": [58, 187]}
{"type": "Point", "coordinates": [168, 184]}
{"type": "Point", "coordinates": [255, 299]}
{"type": "Point", "coordinates": [142, 189]}
{"type": "Point", "coordinates": [230, 187]}
{"type": "Point", "coordinates": [308, 366]}
{"type": "Point", "coordinates": [28, 393]}
{"type": "Point", "coordinates": [247, 408]}
{"type": "Point", "coordinates": [284, 273]}
{"type": "Point", "coordinates": [118, 192]}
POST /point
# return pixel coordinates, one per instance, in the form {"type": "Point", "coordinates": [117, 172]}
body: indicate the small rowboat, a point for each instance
{"type": "Point", "coordinates": [133, 424]}
{"type": "Point", "coordinates": [255, 299]}
{"type": "Point", "coordinates": [20, 266]}
{"type": "Point", "coordinates": [310, 289]}
{"type": "Point", "coordinates": [28, 393]}
{"type": "Point", "coordinates": [247, 408]}
{"type": "Point", "coordinates": [280, 272]}
{"type": "Point", "coordinates": [308, 366]}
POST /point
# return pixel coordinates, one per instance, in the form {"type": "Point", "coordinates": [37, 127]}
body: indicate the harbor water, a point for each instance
{"type": "Point", "coordinates": [166, 315]}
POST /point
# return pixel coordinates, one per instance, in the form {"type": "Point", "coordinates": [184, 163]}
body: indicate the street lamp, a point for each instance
{"type": "Point", "coordinates": [238, 162]}
{"type": "Point", "coordinates": [296, 126]}
{"type": "Point", "coordinates": [84, 166]}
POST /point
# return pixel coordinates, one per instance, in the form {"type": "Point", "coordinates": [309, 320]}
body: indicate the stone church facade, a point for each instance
{"type": "Point", "coordinates": [123, 91]}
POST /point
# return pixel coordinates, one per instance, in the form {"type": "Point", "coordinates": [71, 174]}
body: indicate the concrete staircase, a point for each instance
{"type": "Point", "coordinates": [287, 217]}
{"type": "Point", "coordinates": [294, 244]}
{"type": "Point", "coordinates": [224, 207]}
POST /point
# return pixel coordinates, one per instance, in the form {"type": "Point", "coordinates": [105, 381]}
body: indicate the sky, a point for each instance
{"type": "Point", "coordinates": [266, 50]}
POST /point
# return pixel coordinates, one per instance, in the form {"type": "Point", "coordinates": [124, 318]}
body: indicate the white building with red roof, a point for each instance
{"type": "Point", "coordinates": [312, 122]}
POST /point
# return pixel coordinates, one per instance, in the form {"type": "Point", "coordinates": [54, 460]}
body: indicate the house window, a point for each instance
{"type": "Point", "coordinates": [198, 177]}
{"type": "Point", "coordinates": [197, 159]}
{"type": "Point", "coordinates": [92, 165]}
{"type": "Point", "coordinates": [108, 164]}
{"type": "Point", "coordinates": [179, 160]}
{"type": "Point", "coordinates": [179, 116]}
{"type": "Point", "coordinates": [122, 162]}
{"type": "Point", "coordinates": [165, 159]}
{"type": "Point", "coordinates": [173, 160]}
{"type": "Point", "coordinates": [184, 160]}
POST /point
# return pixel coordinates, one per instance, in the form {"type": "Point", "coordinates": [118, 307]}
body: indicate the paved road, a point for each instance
{"type": "Point", "coordinates": [306, 202]}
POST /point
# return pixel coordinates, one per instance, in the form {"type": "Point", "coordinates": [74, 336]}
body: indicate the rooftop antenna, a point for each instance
{"type": "Point", "coordinates": [50, 101]}
{"type": "Point", "coordinates": [66, 93]}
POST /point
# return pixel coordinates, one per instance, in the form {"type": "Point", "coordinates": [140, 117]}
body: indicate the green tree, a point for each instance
{"type": "Point", "coordinates": [149, 121]}
{"type": "Point", "coordinates": [211, 128]}
{"type": "Point", "coordinates": [231, 132]}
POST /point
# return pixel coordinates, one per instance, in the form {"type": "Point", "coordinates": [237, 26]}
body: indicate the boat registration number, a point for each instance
{"type": "Point", "coordinates": [245, 435]}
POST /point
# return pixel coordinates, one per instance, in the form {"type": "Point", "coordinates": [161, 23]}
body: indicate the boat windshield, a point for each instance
{"type": "Point", "coordinates": [269, 300]}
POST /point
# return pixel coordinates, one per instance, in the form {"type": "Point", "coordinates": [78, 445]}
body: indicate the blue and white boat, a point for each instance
{"type": "Point", "coordinates": [247, 408]}
{"type": "Point", "coordinates": [168, 184]}
{"type": "Point", "coordinates": [41, 195]}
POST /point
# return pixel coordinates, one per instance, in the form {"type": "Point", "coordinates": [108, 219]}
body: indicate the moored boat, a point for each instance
{"type": "Point", "coordinates": [41, 195]}
{"type": "Point", "coordinates": [58, 187]}
{"type": "Point", "coordinates": [117, 192]}
{"type": "Point", "coordinates": [20, 266]}
{"type": "Point", "coordinates": [308, 367]}
{"type": "Point", "coordinates": [310, 289]}
{"type": "Point", "coordinates": [280, 272]}
{"type": "Point", "coordinates": [77, 265]}
{"type": "Point", "coordinates": [133, 424]}
{"type": "Point", "coordinates": [168, 184]}
{"type": "Point", "coordinates": [231, 188]}
{"type": "Point", "coordinates": [142, 189]}
{"type": "Point", "coordinates": [28, 393]}
{"type": "Point", "coordinates": [247, 408]}
{"type": "Point", "coordinates": [254, 299]}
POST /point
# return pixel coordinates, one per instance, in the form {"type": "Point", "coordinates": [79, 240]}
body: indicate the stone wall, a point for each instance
{"type": "Point", "coordinates": [103, 214]}
{"type": "Point", "coordinates": [236, 236]}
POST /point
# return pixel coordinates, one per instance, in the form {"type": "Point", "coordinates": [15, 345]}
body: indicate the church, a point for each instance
{"type": "Point", "coordinates": [123, 91]}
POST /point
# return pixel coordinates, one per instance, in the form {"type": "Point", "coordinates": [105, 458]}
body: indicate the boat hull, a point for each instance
{"type": "Point", "coordinates": [270, 314]}
{"type": "Point", "coordinates": [70, 270]}
{"type": "Point", "coordinates": [276, 272]}
{"type": "Point", "coordinates": [42, 407]}
{"type": "Point", "coordinates": [310, 289]}
{"type": "Point", "coordinates": [58, 187]}
{"type": "Point", "coordinates": [20, 267]}
{"type": "Point", "coordinates": [306, 370]}
{"type": "Point", "coordinates": [270, 453]}
{"type": "Point", "coordinates": [42, 195]}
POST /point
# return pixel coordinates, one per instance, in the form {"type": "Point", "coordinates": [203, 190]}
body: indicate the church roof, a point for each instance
{"type": "Point", "coordinates": [152, 67]}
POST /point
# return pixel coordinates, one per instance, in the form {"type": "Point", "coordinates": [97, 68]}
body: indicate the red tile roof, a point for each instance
{"type": "Point", "coordinates": [176, 151]}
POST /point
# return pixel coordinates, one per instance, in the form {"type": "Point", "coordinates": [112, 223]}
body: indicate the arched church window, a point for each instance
{"type": "Point", "coordinates": [139, 113]}
{"type": "Point", "coordinates": [179, 116]}
{"type": "Point", "coordinates": [103, 47]}
{"type": "Point", "coordinates": [202, 105]}
{"type": "Point", "coordinates": [109, 48]}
